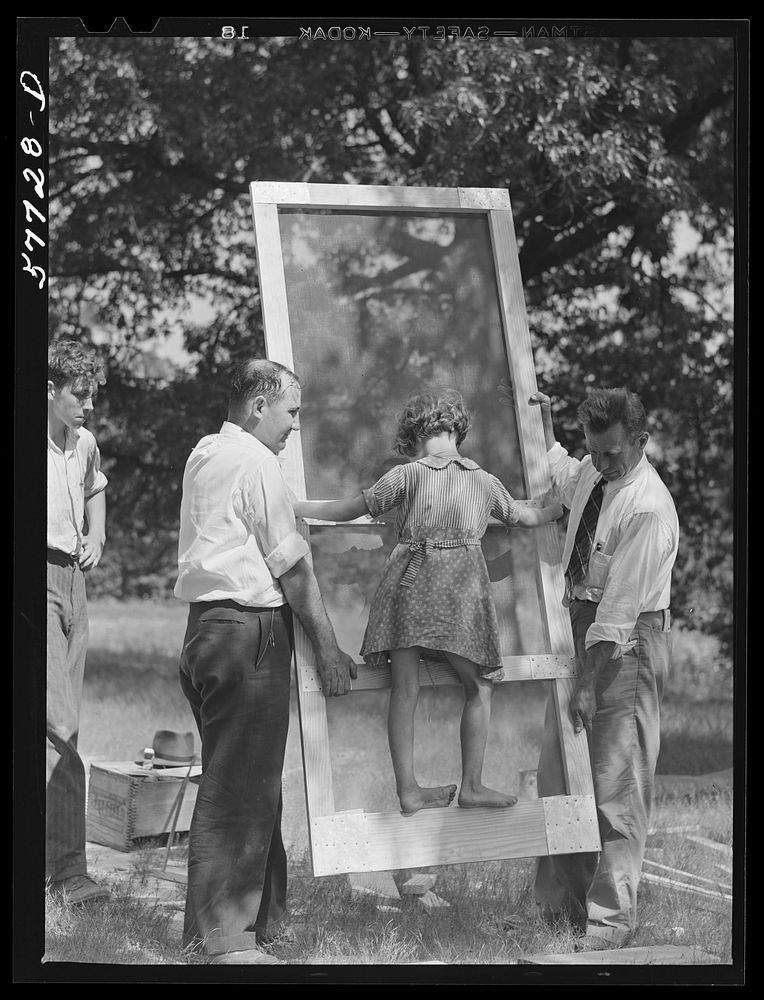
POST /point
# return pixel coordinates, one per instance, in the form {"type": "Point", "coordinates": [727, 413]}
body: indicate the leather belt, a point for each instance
{"type": "Point", "coordinates": [663, 616]}
{"type": "Point", "coordinates": [60, 558]}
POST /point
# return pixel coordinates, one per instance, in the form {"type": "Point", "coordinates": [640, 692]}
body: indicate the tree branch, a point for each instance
{"type": "Point", "coordinates": [385, 141]}
{"type": "Point", "coordinates": [680, 131]}
{"type": "Point", "coordinates": [535, 262]}
{"type": "Point", "coordinates": [128, 156]}
{"type": "Point", "coordinates": [177, 274]}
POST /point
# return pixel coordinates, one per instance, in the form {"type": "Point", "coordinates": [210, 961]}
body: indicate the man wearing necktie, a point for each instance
{"type": "Point", "coordinates": [620, 547]}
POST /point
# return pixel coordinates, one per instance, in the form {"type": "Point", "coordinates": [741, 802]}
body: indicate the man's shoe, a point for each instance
{"type": "Point", "coordinates": [252, 956]}
{"type": "Point", "coordinates": [78, 889]}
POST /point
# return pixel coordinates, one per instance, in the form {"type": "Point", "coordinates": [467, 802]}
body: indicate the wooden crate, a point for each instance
{"type": "Point", "coordinates": [125, 802]}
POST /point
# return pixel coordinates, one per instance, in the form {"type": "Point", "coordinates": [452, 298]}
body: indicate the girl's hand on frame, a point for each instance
{"type": "Point", "coordinates": [540, 399]}
{"type": "Point", "coordinates": [506, 394]}
{"type": "Point", "coordinates": [554, 511]}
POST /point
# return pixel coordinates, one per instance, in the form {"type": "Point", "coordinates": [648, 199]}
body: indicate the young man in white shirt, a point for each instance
{"type": "Point", "coordinates": [76, 502]}
{"type": "Point", "coordinates": [618, 599]}
{"type": "Point", "coordinates": [243, 570]}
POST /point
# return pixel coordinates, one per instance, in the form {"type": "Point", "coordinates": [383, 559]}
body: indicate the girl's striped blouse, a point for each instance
{"type": "Point", "coordinates": [442, 492]}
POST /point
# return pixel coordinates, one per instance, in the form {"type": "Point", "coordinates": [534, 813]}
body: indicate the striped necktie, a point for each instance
{"type": "Point", "coordinates": [582, 546]}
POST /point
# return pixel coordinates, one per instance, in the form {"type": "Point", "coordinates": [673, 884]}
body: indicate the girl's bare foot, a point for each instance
{"type": "Point", "coordinates": [427, 798]}
{"type": "Point", "coordinates": [482, 797]}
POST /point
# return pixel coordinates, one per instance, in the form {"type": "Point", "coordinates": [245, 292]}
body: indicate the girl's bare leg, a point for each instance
{"type": "Point", "coordinates": [476, 717]}
{"type": "Point", "coordinates": [404, 695]}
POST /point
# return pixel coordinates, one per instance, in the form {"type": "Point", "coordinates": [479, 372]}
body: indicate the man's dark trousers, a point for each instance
{"type": "Point", "coordinates": [235, 673]}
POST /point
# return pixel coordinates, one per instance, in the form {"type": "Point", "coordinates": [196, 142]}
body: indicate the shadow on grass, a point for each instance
{"type": "Point", "coordinates": [683, 754]}
{"type": "Point", "coordinates": [696, 738]}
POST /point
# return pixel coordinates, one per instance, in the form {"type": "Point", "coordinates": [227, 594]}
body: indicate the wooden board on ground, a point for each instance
{"type": "Point", "coordinates": [430, 901]}
{"type": "Point", "coordinates": [676, 886]}
{"type": "Point", "coordinates": [418, 884]}
{"type": "Point", "coordinates": [693, 879]}
{"type": "Point", "coordinates": [714, 845]}
{"type": "Point", "coordinates": [378, 886]}
{"type": "Point", "coordinates": [169, 874]}
{"type": "Point", "coordinates": [659, 954]}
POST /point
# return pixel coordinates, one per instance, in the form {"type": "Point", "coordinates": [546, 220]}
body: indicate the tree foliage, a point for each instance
{"type": "Point", "coordinates": [607, 147]}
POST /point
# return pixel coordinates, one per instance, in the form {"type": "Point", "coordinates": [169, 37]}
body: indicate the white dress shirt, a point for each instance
{"type": "Point", "coordinates": [237, 527]}
{"type": "Point", "coordinates": [74, 476]}
{"type": "Point", "coordinates": [634, 547]}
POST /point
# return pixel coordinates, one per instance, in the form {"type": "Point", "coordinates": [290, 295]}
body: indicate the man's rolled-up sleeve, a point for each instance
{"type": "Point", "coordinates": [94, 481]}
{"type": "Point", "coordinates": [564, 471]}
{"type": "Point", "coordinates": [286, 554]}
{"type": "Point", "coordinates": [272, 518]}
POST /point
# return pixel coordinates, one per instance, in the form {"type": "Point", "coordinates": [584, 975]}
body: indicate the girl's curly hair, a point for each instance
{"type": "Point", "coordinates": [430, 413]}
{"type": "Point", "coordinates": [71, 363]}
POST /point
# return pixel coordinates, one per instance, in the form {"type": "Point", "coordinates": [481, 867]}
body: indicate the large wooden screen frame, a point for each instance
{"type": "Point", "coordinates": [356, 840]}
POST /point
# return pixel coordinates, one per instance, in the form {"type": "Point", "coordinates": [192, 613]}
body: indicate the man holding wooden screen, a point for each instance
{"type": "Point", "coordinates": [243, 571]}
{"type": "Point", "coordinates": [620, 548]}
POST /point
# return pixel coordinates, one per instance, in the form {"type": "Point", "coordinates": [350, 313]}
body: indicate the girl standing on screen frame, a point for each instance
{"type": "Point", "coordinates": [435, 592]}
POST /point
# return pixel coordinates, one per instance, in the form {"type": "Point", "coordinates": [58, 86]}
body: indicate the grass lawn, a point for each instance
{"type": "Point", "coordinates": [131, 690]}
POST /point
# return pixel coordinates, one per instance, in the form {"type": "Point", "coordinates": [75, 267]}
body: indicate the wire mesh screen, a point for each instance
{"type": "Point", "coordinates": [382, 305]}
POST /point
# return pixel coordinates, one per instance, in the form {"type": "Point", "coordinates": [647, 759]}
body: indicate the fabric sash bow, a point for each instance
{"type": "Point", "coordinates": [420, 547]}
